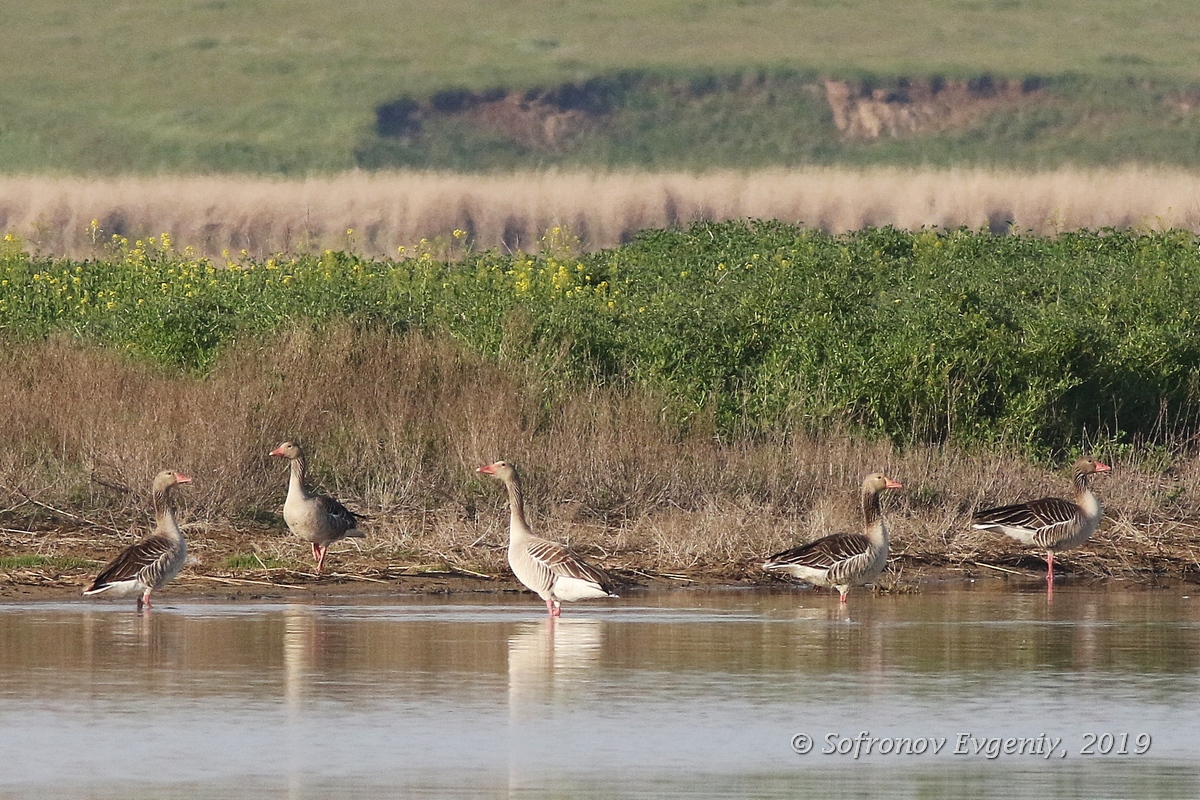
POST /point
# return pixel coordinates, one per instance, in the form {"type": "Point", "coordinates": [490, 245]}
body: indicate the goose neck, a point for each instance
{"type": "Point", "coordinates": [1082, 484]}
{"type": "Point", "coordinates": [517, 525]}
{"type": "Point", "coordinates": [872, 510]}
{"type": "Point", "coordinates": [1087, 502]}
{"type": "Point", "coordinates": [871, 507]}
{"type": "Point", "coordinates": [298, 476]}
{"type": "Point", "coordinates": [164, 513]}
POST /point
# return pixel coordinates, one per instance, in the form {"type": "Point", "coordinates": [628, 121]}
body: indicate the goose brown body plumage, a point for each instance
{"type": "Point", "coordinates": [148, 565]}
{"type": "Point", "coordinates": [316, 518]}
{"type": "Point", "coordinates": [842, 560]}
{"type": "Point", "coordinates": [552, 570]}
{"type": "Point", "coordinates": [1052, 524]}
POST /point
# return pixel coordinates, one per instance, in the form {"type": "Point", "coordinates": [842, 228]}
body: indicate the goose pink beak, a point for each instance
{"type": "Point", "coordinates": [181, 478]}
{"type": "Point", "coordinates": [490, 469]}
{"type": "Point", "coordinates": [278, 452]}
{"type": "Point", "coordinates": [1102, 467]}
{"type": "Point", "coordinates": [891, 484]}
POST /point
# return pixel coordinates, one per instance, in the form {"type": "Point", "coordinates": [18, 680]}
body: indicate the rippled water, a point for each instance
{"type": "Point", "coordinates": [686, 694]}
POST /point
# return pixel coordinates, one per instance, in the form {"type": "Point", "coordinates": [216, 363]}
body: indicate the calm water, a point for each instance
{"type": "Point", "coordinates": [688, 694]}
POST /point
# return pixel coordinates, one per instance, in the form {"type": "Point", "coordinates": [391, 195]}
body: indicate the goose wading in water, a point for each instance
{"type": "Point", "coordinates": [148, 565]}
{"type": "Point", "coordinates": [1052, 524]}
{"type": "Point", "coordinates": [842, 560]}
{"type": "Point", "coordinates": [315, 518]}
{"type": "Point", "coordinates": [550, 569]}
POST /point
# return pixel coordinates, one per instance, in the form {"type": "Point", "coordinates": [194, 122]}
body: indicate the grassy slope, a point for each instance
{"type": "Point", "coordinates": [759, 119]}
{"type": "Point", "coordinates": [280, 86]}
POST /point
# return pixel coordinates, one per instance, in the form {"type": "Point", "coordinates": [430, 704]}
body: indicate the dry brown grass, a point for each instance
{"type": "Point", "coordinates": [389, 210]}
{"type": "Point", "coordinates": [397, 426]}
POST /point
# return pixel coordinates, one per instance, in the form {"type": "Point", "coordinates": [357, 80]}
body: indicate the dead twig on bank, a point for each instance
{"type": "Point", "coordinates": [64, 513]}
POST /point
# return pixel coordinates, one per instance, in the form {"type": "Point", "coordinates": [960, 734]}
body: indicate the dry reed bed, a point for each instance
{"type": "Point", "coordinates": [388, 210]}
{"type": "Point", "coordinates": [397, 426]}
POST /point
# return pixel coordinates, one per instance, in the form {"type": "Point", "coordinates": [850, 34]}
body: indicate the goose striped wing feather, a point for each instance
{"type": "Point", "coordinates": [565, 563]}
{"type": "Point", "coordinates": [132, 560]}
{"type": "Point", "coordinates": [342, 518]}
{"type": "Point", "coordinates": [1049, 512]}
{"type": "Point", "coordinates": [824, 553]}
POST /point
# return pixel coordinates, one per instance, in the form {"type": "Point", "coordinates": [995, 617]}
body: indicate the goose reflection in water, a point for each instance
{"type": "Point", "coordinates": [302, 664]}
{"type": "Point", "coordinates": [549, 664]}
{"type": "Point", "coordinates": [298, 638]}
{"type": "Point", "coordinates": [547, 659]}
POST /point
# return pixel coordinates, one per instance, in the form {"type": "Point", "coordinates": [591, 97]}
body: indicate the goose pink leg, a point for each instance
{"type": "Point", "coordinates": [319, 552]}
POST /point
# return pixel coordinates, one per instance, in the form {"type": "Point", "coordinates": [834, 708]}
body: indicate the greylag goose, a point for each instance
{"type": "Point", "coordinates": [842, 560]}
{"type": "Point", "coordinates": [1051, 523]}
{"type": "Point", "coordinates": [151, 563]}
{"type": "Point", "coordinates": [548, 568]}
{"type": "Point", "coordinates": [315, 518]}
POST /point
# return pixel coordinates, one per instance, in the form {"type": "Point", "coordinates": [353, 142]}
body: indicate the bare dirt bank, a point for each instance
{"type": "Point", "coordinates": [1152, 555]}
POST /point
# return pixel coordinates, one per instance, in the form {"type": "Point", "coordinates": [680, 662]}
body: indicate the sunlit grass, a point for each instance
{"type": "Point", "coordinates": [384, 211]}
{"type": "Point", "coordinates": [200, 86]}
{"type": "Point", "coordinates": [30, 561]}
{"type": "Point", "coordinates": [253, 561]}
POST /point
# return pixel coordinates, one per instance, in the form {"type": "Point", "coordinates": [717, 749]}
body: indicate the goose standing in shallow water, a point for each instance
{"type": "Point", "coordinates": [151, 563]}
{"type": "Point", "coordinates": [1051, 523]}
{"type": "Point", "coordinates": [315, 518]}
{"type": "Point", "coordinates": [842, 560]}
{"type": "Point", "coordinates": [552, 570]}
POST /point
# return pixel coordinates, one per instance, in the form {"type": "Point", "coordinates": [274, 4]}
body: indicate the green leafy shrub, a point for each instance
{"type": "Point", "coordinates": [925, 336]}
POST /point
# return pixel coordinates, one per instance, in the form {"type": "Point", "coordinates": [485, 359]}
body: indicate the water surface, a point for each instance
{"type": "Point", "coordinates": [684, 694]}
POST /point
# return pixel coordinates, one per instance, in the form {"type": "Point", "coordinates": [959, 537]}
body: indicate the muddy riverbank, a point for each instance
{"type": "Point", "coordinates": [59, 562]}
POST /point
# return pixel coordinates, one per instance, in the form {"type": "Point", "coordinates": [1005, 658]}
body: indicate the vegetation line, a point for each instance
{"type": "Point", "coordinates": [921, 337]}
{"type": "Point", "coordinates": [375, 214]}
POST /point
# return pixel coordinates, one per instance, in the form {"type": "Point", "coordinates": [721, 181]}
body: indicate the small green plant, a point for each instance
{"type": "Point", "coordinates": [252, 561]}
{"type": "Point", "coordinates": [31, 561]}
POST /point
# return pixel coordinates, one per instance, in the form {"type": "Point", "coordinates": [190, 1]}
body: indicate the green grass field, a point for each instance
{"type": "Point", "coordinates": [291, 87]}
